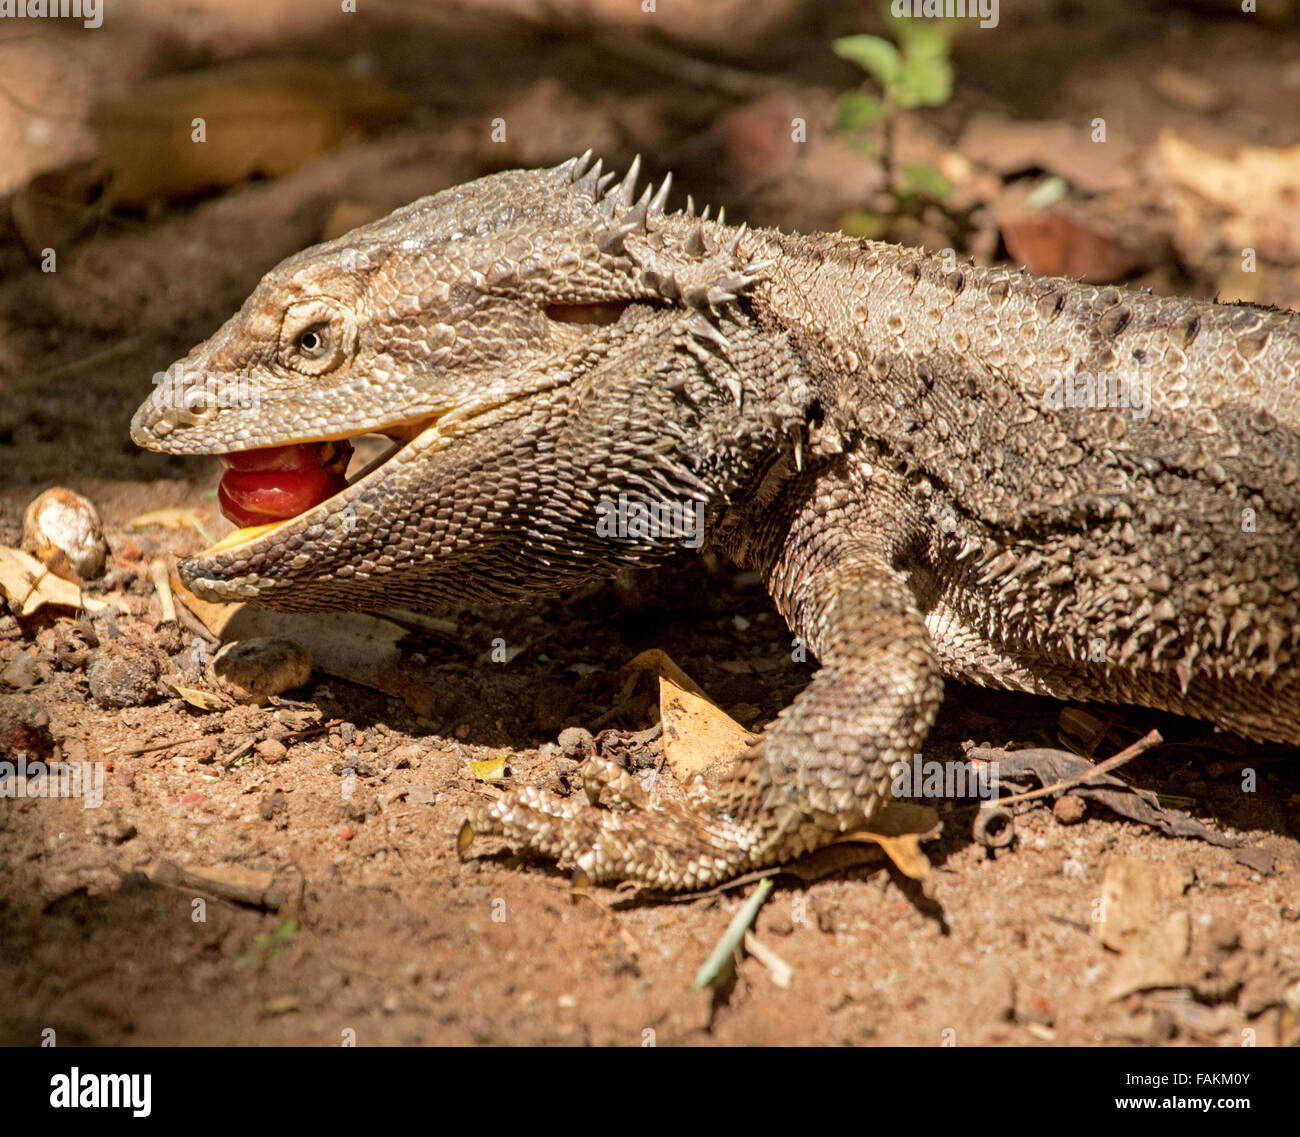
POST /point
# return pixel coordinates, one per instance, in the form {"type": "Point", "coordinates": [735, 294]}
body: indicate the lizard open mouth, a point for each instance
{"type": "Point", "coordinates": [270, 486]}
{"type": "Point", "coordinates": [264, 486]}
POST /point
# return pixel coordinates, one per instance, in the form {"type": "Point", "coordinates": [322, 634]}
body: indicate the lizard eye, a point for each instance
{"type": "Point", "coordinates": [316, 336]}
{"type": "Point", "coordinates": [314, 342]}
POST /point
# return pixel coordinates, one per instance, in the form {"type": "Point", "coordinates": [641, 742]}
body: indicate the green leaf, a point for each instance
{"type": "Point", "coordinates": [877, 57]}
{"type": "Point", "coordinates": [857, 110]}
{"type": "Point", "coordinates": [860, 223]}
{"type": "Point", "coordinates": [1048, 192]}
{"type": "Point", "coordinates": [927, 180]}
{"type": "Point", "coordinates": [924, 39]}
{"type": "Point", "coordinates": [924, 83]}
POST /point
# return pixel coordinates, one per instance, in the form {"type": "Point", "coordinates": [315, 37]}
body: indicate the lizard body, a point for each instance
{"type": "Point", "coordinates": [938, 470]}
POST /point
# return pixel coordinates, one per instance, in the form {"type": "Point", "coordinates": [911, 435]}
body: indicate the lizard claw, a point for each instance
{"type": "Point", "coordinates": [669, 848]}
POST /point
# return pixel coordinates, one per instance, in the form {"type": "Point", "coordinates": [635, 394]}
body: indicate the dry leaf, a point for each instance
{"type": "Point", "coordinates": [658, 663]}
{"type": "Point", "coordinates": [1058, 245]}
{"type": "Point", "coordinates": [489, 769]}
{"type": "Point", "coordinates": [355, 646]}
{"type": "Point", "coordinates": [176, 517]}
{"type": "Point", "coordinates": [696, 731]}
{"type": "Point", "coordinates": [204, 700]}
{"type": "Point", "coordinates": [1133, 894]}
{"type": "Point", "coordinates": [1257, 189]}
{"type": "Point", "coordinates": [258, 117]}
{"type": "Point", "coordinates": [898, 828]}
{"type": "Point", "coordinates": [29, 585]}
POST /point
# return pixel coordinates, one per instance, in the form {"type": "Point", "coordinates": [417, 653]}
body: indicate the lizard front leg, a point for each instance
{"type": "Point", "coordinates": [823, 768]}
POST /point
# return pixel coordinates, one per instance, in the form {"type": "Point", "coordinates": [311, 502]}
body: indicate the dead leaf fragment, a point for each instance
{"type": "Point", "coordinates": [203, 700]}
{"type": "Point", "coordinates": [29, 585]}
{"type": "Point", "coordinates": [175, 517]}
{"type": "Point", "coordinates": [489, 769]}
{"type": "Point", "coordinates": [899, 828]}
{"type": "Point", "coordinates": [355, 646]}
{"type": "Point", "coordinates": [182, 134]}
{"type": "Point", "coordinates": [1247, 201]}
{"type": "Point", "coordinates": [697, 732]}
{"type": "Point", "coordinates": [1144, 920]}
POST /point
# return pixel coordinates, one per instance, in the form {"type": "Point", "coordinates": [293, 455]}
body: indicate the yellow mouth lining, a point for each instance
{"type": "Point", "coordinates": [239, 536]}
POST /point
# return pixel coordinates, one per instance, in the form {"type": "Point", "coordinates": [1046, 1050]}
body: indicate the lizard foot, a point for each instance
{"type": "Point", "coordinates": [668, 847]}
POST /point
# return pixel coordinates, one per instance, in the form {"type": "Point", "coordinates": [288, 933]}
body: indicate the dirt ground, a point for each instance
{"type": "Point", "coordinates": [342, 803]}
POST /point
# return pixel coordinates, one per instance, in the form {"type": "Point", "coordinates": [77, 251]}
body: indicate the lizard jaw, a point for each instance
{"type": "Point", "coordinates": [402, 435]}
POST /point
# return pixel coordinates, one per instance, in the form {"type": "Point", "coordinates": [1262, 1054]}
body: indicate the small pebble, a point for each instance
{"type": "Point", "coordinates": [255, 669]}
{"type": "Point", "coordinates": [576, 742]}
{"type": "Point", "coordinates": [25, 672]}
{"type": "Point", "coordinates": [271, 751]}
{"type": "Point", "coordinates": [1069, 809]}
{"type": "Point", "coordinates": [123, 677]}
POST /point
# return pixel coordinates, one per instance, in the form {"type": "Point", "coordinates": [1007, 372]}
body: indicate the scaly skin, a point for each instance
{"type": "Point", "coordinates": [880, 433]}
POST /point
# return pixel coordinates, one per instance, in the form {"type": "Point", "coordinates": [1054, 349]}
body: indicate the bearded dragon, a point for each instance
{"type": "Point", "coordinates": [940, 471]}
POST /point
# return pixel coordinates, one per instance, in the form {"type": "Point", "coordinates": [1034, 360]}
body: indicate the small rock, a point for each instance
{"type": "Point", "coordinates": [63, 530]}
{"type": "Point", "coordinates": [271, 751]}
{"type": "Point", "coordinates": [123, 677]}
{"type": "Point", "coordinates": [1222, 934]}
{"type": "Point", "coordinates": [576, 742]}
{"type": "Point", "coordinates": [779, 923]}
{"type": "Point", "coordinates": [25, 672]}
{"type": "Point", "coordinates": [1069, 809]}
{"type": "Point", "coordinates": [566, 772]}
{"type": "Point", "coordinates": [205, 751]}
{"type": "Point", "coordinates": [254, 669]}
{"type": "Point", "coordinates": [24, 729]}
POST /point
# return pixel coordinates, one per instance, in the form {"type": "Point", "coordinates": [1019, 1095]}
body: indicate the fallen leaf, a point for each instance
{"type": "Point", "coordinates": [1230, 204]}
{"type": "Point", "coordinates": [258, 117]}
{"type": "Point", "coordinates": [355, 646]}
{"type": "Point", "coordinates": [489, 769]}
{"type": "Point", "coordinates": [697, 732]}
{"type": "Point", "coordinates": [175, 517]}
{"type": "Point", "coordinates": [204, 700]}
{"type": "Point", "coordinates": [1058, 245]}
{"type": "Point", "coordinates": [1009, 147]}
{"type": "Point", "coordinates": [898, 828]}
{"type": "Point", "coordinates": [29, 585]}
{"type": "Point", "coordinates": [1132, 893]}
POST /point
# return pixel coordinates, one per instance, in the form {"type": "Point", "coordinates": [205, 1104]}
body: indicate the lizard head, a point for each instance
{"type": "Point", "coordinates": [456, 326]}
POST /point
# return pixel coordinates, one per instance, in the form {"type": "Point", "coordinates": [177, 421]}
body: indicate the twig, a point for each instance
{"type": "Point", "coordinates": [1142, 745]}
{"type": "Point", "coordinates": [158, 573]}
